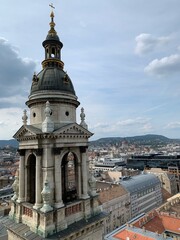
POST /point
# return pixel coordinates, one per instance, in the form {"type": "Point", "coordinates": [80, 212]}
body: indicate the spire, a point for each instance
{"type": "Point", "coordinates": [25, 117]}
{"type": "Point", "coordinates": [52, 45]}
{"type": "Point", "coordinates": [52, 34]}
{"type": "Point", "coordinates": [52, 31]}
{"type": "Point", "coordinates": [52, 24]}
{"type": "Point", "coordinates": [82, 116]}
{"type": "Point", "coordinates": [48, 124]}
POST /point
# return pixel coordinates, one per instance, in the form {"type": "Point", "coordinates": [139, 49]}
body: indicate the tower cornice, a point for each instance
{"type": "Point", "coordinates": [51, 99]}
{"type": "Point", "coordinates": [52, 62]}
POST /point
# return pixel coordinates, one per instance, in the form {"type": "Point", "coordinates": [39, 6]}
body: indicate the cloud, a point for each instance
{"type": "Point", "coordinates": [164, 66]}
{"type": "Point", "coordinates": [173, 125]}
{"type": "Point", "coordinates": [130, 122]}
{"type": "Point", "coordinates": [154, 108]}
{"type": "Point", "coordinates": [15, 74]}
{"type": "Point", "coordinates": [10, 121]}
{"type": "Point", "coordinates": [126, 127]}
{"type": "Point", "coordinates": [146, 43]}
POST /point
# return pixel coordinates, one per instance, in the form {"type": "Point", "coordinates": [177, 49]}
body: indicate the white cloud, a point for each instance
{"type": "Point", "coordinates": [10, 121]}
{"type": "Point", "coordinates": [126, 127]}
{"type": "Point", "coordinates": [164, 66]}
{"type": "Point", "coordinates": [130, 122]}
{"type": "Point", "coordinates": [154, 108]}
{"type": "Point", "coordinates": [146, 43]}
{"type": "Point", "coordinates": [173, 125]}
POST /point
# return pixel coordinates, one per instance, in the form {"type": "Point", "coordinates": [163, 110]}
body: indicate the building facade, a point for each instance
{"type": "Point", "coordinates": [162, 224]}
{"type": "Point", "coordinates": [168, 180]}
{"type": "Point", "coordinates": [115, 201]}
{"type": "Point", "coordinates": [54, 190]}
{"type": "Point", "coordinates": [145, 193]}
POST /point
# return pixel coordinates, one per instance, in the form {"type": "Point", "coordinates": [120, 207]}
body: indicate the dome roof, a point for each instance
{"type": "Point", "coordinates": [51, 37]}
{"type": "Point", "coordinates": [52, 78]}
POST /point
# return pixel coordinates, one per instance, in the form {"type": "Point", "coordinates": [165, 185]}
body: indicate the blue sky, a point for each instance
{"type": "Point", "coordinates": [122, 56]}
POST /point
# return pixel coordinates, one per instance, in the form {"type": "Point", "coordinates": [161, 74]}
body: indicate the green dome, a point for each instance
{"type": "Point", "coordinates": [54, 79]}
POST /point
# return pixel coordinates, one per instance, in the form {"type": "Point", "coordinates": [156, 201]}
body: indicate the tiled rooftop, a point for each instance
{"type": "Point", "coordinates": [139, 234]}
{"type": "Point", "coordinates": [108, 191]}
{"type": "Point", "coordinates": [153, 225]}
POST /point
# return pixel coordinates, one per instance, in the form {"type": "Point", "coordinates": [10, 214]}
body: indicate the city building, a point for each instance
{"type": "Point", "coordinates": [162, 223]}
{"type": "Point", "coordinates": [153, 161]}
{"type": "Point", "coordinates": [108, 164]}
{"type": "Point", "coordinates": [118, 174]}
{"type": "Point", "coordinates": [168, 179]}
{"type": "Point", "coordinates": [175, 170]}
{"type": "Point", "coordinates": [115, 201]}
{"type": "Point", "coordinates": [145, 192]}
{"type": "Point", "coordinates": [54, 194]}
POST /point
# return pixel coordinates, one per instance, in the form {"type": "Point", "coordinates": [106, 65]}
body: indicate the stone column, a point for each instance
{"type": "Point", "coordinates": [58, 182]}
{"type": "Point", "coordinates": [21, 197]}
{"type": "Point", "coordinates": [38, 202]}
{"type": "Point", "coordinates": [84, 172]}
{"type": "Point", "coordinates": [79, 180]}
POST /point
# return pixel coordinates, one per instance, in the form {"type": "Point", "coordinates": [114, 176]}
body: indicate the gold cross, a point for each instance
{"type": "Point", "coordinates": [51, 5]}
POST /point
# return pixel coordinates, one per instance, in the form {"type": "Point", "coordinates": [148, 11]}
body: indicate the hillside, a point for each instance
{"type": "Point", "coordinates": [11, 142]}
{"type": "Point", "coordinates": [149, 139]}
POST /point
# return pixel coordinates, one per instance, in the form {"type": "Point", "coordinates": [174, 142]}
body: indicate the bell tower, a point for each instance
{"type": "Point", "coordinates": [55, 196]}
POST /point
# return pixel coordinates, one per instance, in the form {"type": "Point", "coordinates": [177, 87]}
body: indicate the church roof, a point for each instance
{"type": "Point", "coordinates": [22, 229]}
{"type": "Point", "coordinates": [52, 78]}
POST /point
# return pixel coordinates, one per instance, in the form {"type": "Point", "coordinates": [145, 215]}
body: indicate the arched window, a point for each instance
{"type": "Point", "coordinates": [31, 175]}
{"type": "Point", "coordinates": [69, 177]}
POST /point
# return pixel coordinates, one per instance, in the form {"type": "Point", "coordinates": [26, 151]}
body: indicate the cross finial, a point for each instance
{"type": "Point", "coordinates": [51, 5]}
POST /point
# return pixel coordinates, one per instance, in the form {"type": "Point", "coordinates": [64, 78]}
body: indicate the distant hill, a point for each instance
{"type": "Point", "coordinates": [11, 142]}
{"type": "Point", "coordinates": [149, 139]}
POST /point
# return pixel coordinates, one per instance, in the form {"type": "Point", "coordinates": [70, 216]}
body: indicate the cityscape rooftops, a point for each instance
{"type": "Point", "coordinates": [162, 223]}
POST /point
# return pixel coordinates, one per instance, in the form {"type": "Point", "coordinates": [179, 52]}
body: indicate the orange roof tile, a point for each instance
{"type": "Point", "coordinates": [109, 191]}
{"type": "Point", "coordinates": [155, 225]}
{"type": "Point", "coordinates": [125, 233]}
{"type": "Point", "coordinates": [171, 224]}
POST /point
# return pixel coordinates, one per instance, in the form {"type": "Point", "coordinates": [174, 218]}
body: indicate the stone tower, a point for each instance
{"type": "Point", "coordinates": [55, 196]}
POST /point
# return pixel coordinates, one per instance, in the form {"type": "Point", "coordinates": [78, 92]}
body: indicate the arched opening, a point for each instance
{"type": "Point", "coordinates": [53, 52]}
{"type": "Point", "coordinates": [69, 177]}
{"type": "Point", "coordinates": [31, 178]}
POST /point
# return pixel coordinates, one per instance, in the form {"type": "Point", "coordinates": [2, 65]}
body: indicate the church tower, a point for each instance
{"type": "Point", "coordinates": [55, 195]}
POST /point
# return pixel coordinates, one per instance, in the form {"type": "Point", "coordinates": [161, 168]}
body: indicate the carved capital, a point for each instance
{"type": "Point", "coordinates": [21, 152]}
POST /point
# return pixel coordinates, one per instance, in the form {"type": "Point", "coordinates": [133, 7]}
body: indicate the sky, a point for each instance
{"type": "Point", "coordinates": [123, 57]}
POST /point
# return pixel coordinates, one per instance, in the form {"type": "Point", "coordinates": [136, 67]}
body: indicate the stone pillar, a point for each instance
{"type": "Point", "coordinates": [58, 182]}
{"type": "Point", "coordinates": [21, 197]}
{"type": "Point", "coordinates": [79, 180]}
{"type": "Point", "coordinates": [38, 202]}
{"type": "Point", "coordinates": [84, 172]}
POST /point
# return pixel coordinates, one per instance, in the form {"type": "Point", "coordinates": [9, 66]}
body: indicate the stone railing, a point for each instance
{"type": "Point", "coordinates": [75, 208]}
{"type": "Point", "coordinates": [27, 211]}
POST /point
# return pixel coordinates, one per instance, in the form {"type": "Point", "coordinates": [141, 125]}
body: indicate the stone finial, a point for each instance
{"type": "Point", "coordinates": [46, 194]}
{"type": "Point", "coordinates": [48, 124]}
{"type": "Point", "coordinates": [92, 185]}
{"type": "Point", "coordinates": [15, 187]}
{"type": "Point", "coordinates": [24, 117]}
{"type": "Point", "coordinates": [82, 116]}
